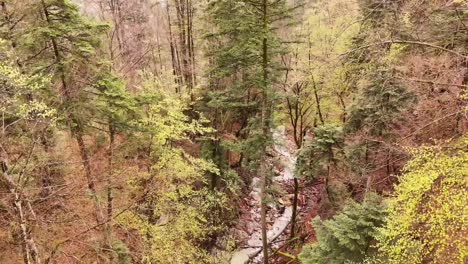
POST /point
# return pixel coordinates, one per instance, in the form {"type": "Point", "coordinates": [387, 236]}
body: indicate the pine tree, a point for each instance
{"type": "Point", "coordinates": [380, 104]}
{"type": "Point", "coordinates": [244, 47]}
{"type": "Point", "coordinates": [318, 156]}
{"type": "Point", "coordinates": [115, 109]}
{"type": "Point", "coordinates": [71, 41]}
{"type": "Point", "coordinates": [236, 76]}
{"type": "Point", "coordinates": [348, 236]}
{"type": "Point", "coordinates": [56, 39]}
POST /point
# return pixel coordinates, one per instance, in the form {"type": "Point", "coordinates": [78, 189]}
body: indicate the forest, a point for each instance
{"type": "Point", "coordinates": [234, 131]}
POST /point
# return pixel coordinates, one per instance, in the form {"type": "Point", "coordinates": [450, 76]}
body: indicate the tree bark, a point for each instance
{"type": "Point", "coordinates": [110, 197]}
{"type": "Point", "coordinates": [190, 15]}
{"type": "Point", "coordinates": [317, 102]}
{"type": "Point", "coordinates": [110, 172]}
{"type": "Point", "coordinates": [78, 134]}
{"type": "Point", "coordinates": [266, 128]}
{"type": "Point", "coordinates": [174, 60]}
{"type": "Point", "coordinates": [182, 21]}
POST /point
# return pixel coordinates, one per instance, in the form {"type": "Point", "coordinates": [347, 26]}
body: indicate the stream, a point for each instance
{"type": "Point", "coordinates": [279, 212]}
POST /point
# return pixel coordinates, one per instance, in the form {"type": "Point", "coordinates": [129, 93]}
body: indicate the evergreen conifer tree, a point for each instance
{"type": "Point", "coordinates": [348, 236]}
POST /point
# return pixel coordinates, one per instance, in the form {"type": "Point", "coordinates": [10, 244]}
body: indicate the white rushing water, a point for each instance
{"type": "Point", "coordinates": [253, 247]}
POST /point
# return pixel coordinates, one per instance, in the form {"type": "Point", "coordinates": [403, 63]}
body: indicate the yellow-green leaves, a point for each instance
{"type": "Point", "coordinates": [178, 212]}
{"type": "Point", "coordinates": [428, 216]}
{"type": "Point", "coordinates": [21, 95]}
{"type": "Point", "coordinates": [35, 109]}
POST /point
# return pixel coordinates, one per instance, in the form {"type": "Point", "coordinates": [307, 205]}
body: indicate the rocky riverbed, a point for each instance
{"type": "Point", "coordinates": [279, 209]}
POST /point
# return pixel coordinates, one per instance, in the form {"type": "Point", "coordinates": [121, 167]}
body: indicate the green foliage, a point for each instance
{"type": "Point", "coordinates": [122, 252]}
{"type": "Point", "coordinates": [114, 105]}
{"type": "Point", "coordinates": [55, 39]}
{"type": "Point", "coordinates": [25, 98]}
{"type": "Point", "coordinates": [348, 236]}
{"type": "Point", "coordinates": [319, 153]}
{"type": "Point", "coordinates": [17, 89]}
{"type": "Point", "coordinates": [236, 75]}
{"type": "Point", "coordinates": [76, 36]}
{"type": "Point", "coordinates": [164, 115]}
{"type": "Point", "coordinates": [28, 118]}
{"type": "Point", "coordinates": [428, 215]}
{"type": "Point", "coordinates": [179, 221]}
{"type": "Point", "coordinates": [178, 211]}
{"type": "Point", "coordinates": [379, 105]}
{"type": "Point", "coordinates": [330, 30]}
{"type": "Point", "coordinates": [235, 51]}
{"type": "Point", "coordinates": [227, 180]}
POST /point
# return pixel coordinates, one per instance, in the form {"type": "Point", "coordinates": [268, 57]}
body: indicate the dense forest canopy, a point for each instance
{"type": "Point", "coordinates": [233, 131]}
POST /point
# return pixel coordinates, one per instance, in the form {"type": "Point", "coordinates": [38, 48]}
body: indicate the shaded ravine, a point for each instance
{"type": "Point", "coordinates": [250, 250]}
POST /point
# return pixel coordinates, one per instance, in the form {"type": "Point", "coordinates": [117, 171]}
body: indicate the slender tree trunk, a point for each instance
{"type": "Point", "coordinates": [117, 19]}
{"type": "Point", "coordinates": [179, 67]}
{"type": "Point", "coordinates": [317, 98]}
{"type": "Point", "coordinates": [343, 108]}
{"type": "Point", "coordinates": [327, 177]}
{"type": "Point", "coordinates": [182, 30]}
{"type": "Point", "coordinates": [218, 157]}
{"type": "Point", "coordinates": [298, 142]}
{"type": "Point", "coordinates": [191, 42]}
{"type": "Point", "coordinates": [366, 158]}
{"type": "Point", "coordinates": [317, 102]}
{"type": "Point", "coordinates": [24, 229]}
{"type": "Point", "coordinates": [174, 60]}
{"type": "Point", "coordinates": [190, 47]}
{"type": "Point", "coordinates": [294, 209]}
{"type": "Point", "coordinates": [109, 182]}
{"type": "Point", "coordinates": [158, 39]}
{"type": "Point", "coordinates": [263, 173]}
{"type": "Point", "coordinates": [266, 128]}
{"type": "Point", "coordinates": [77, 131]}
{"type": "Point", "coordinates": [111, 171]}
{"type": "Point", "coordinates": [29, 248]}
{"type": "Point", "coordinates": [78, 134]}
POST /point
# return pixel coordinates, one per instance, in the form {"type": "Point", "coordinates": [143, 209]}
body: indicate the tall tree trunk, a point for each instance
{"type": "Point", "coordinates": [158, 39]}
{"type": "Point", "coordinates": [77, 131]}
{"type": "Point", "coordinates": [174, 60]}
{"type": "Point", "coordinates": [317, 102]}
{"type": "Point", "coordinates": [191, 49]}
{"type": "Point", "coordinates": [266, 130]}
{"type": "Point", "coordinates": [191, 42]}
{"type": "Point", "coordinates": [29, 248]}
{"type": "Point", "coordinates": [317, 98]}
{"type": "Point", "coordinates": [78, 134]}
{"type": "Point", "coordinates": [343, 107]}
{"type": "Point", "coordinates": [294, 209]}
{"type": "Point", "coordinates": [110, 172]}
{"type": "Point", "coordinates": [28, 245]}
{"type": "Point", "coordinates": [327, 177]}
{"type": "Point", "coordinates": [109, 183]}
{"type": "Point", "coordinates": [298, 140]}
{"type": "Point", "coordinates": [117, 19]}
